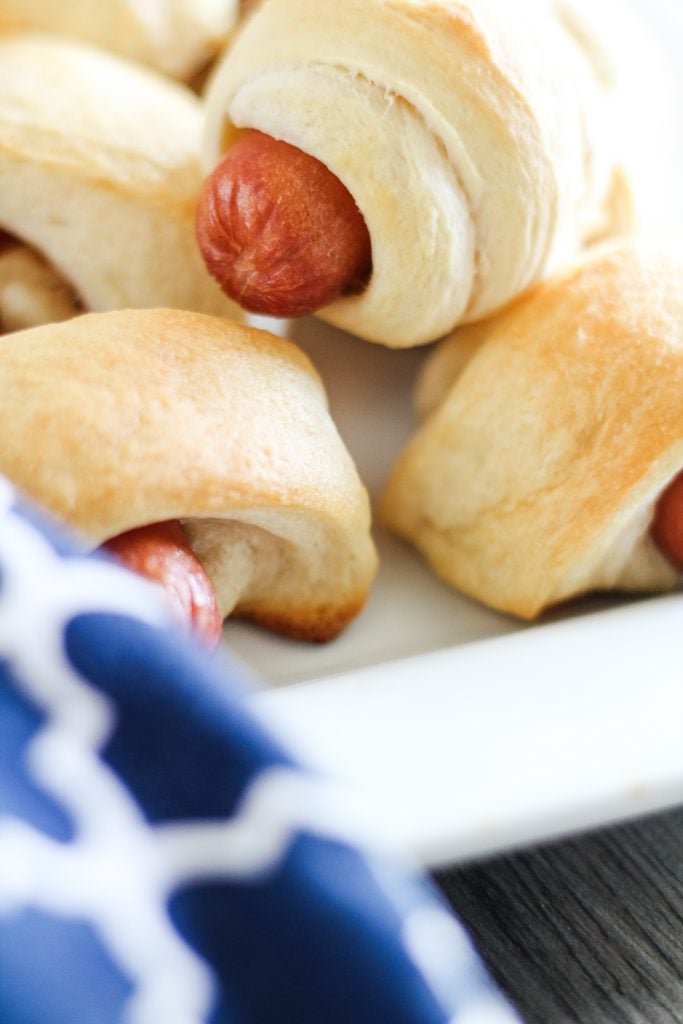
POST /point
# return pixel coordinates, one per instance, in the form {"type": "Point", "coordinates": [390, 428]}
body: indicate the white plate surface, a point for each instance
{"type": "Point", "coordinates": [467, 732]}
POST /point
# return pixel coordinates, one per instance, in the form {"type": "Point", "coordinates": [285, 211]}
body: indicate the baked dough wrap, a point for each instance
{"type": "Point", "coordinates": [534, 477]}
{"type": "Point", "coordinates": [99, 173]}
{"type": "Point", "coordinates": [124, 419]}
{"type": "Point", "coordinates": [31, 291]}
{"type": "Point", "coordinates": [175, 36]}
{"type": "Point", "coordinates": [474, 136]}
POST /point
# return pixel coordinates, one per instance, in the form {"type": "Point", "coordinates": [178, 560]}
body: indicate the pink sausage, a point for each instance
{"type": "Point", "coordinates": [161, 553]}
{"type": "Point", "coordinates": [279, 232]}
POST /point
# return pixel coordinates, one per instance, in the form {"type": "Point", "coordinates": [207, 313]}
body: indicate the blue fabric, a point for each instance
{"type": "Point", "coordinates": [163, 858]}
{"type": "Point", "coordinates": [20, 722]}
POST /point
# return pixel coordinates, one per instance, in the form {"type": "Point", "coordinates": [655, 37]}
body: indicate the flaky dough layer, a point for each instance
{"type": "Point", "coordinates": [99, 172]}
{"type": "Point", "coordinates": [476, 138]}
{"type": "Point", "coordinates": [536, 472]}
{"type": "Point", "coordinates": [124, 419]}
{"type": "Point", "coordinates": [174, 36]}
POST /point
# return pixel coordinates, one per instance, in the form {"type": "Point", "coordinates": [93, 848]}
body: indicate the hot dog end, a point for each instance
{"type": "Point", "coordinates": [279, 232]}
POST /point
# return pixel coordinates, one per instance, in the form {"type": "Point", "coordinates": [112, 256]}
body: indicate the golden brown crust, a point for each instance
{"type": "Point", "coordinates": [536, 477]}
{"type": "Point", "coordinates": [122, 419]}
{"type": "Point", "coordinates": [315, 625]}
{"type": "Point", "coordinates": [100, 174]}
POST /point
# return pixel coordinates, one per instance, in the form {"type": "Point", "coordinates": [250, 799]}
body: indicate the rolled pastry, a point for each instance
{"type": "Point", "coordinates": [31, 291]}
{"type": "Point", "coordinates": [119, 420]}
{"type": "Point", "coordinates": [99, 174]}
{"type": "Point", "coordinates": [477, 140]}
{"type": "Point", "coordinates": [174, 36]}
{"type": "Point", "coordinates": [542, 460]}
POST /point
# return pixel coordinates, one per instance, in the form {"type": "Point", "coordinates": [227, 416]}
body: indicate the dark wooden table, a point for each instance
{"type": "Point", "coordinates": [585, 931]}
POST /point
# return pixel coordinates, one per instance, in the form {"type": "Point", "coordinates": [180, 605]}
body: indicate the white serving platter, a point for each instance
{"type": "Point", "coordinates": [467, 732]}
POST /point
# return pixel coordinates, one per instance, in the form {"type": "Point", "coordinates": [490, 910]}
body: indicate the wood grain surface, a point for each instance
{"type": "Point", "coordinates": [586, 931]}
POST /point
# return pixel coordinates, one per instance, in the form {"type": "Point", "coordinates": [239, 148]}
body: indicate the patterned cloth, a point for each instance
{"type": "Point", "coordinates": [164, 860]}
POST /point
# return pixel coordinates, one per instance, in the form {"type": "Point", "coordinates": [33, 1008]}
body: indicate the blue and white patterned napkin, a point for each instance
{"type": "Point", "coordinates": [165, 860]}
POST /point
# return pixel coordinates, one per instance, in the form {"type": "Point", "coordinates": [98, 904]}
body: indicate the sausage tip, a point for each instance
{"type": "Point", "coordinates": [161, 553]}
{"type": "Point", "coordinates": [667, 526]}
{"type": "Point", "coordinates": [279, 232]}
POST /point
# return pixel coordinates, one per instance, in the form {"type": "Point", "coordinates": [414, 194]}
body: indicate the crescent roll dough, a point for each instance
{"type": "Point", "coordinates": [31, 291]}
{"type": "Point", "coordinates": [99, 173]}
{"type": "Point", "coordinates": [174, 36]}
{"type": "Point", "coordinates": [476, 138]}
{"type": "Point", "coordinates": [535, 475]}
{"type": "Point", "coordinates": [124, 419]}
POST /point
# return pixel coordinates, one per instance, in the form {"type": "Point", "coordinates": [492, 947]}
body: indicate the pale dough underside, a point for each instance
{"type": "Point", "coordinates": [99, 176]}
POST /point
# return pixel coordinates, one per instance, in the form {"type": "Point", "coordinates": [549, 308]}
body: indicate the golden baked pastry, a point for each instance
{"type": "Point", "coordinates": [99, 173]}
{"type": "Point", "coordinates": [174, 36]}
{"type": "Point", "coordinates": [538, 469]}
{"type": "Point", "coordinates": [478, 139]}
{"type": "Point", "coordinates": [122, 419]}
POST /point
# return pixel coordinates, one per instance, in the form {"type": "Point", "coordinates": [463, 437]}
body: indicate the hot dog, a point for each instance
{"type": "Point", "coordinates": [481, 148]}
{"type": "Point", "coordinates": [667, 526]}
{"type": "Point", "coordinates": [161, 552]}
{"type": "Point", "coordinates": [445, 366]}
{"type": "Point", "coordinates": [544, 471]}
{"type": "Point", "coordinates": [279, 232]}
{"type": "Point", "coordinates": [116, 420]}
